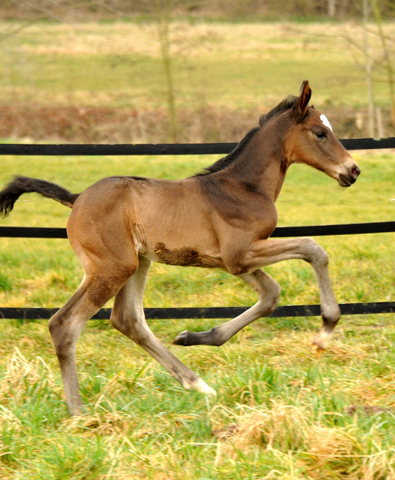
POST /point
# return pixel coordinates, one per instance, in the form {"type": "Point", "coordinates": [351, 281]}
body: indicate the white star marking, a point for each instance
{"type": "Point", "coordinates": [325, 121]}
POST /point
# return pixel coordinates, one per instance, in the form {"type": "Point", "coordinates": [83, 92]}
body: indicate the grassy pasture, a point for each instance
{"type": "Point", "coordinates": [280, 413]}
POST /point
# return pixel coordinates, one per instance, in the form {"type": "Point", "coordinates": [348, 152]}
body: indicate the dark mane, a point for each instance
{"type": "Point", "coordinates": [286, 104]}
{"type": "Point", "coordinates": [222, 163]}
{"type": "Point", "coordinates": [225, 161]}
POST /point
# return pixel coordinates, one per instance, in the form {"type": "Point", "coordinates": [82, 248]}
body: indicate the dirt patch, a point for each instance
{"type": "Point", "coordinates": [368, 410]}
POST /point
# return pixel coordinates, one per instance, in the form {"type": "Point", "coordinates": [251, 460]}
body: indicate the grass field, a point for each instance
{"type": "Point", "coordinates": [281, 413]}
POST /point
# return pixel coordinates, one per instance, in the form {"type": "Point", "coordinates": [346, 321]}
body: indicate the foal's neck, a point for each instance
{"type": "Point", "coordinates": [263, 164]}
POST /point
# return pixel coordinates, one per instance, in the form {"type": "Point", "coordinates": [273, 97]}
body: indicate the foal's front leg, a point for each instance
{"type": "Point", "coordinates": [268, 252]}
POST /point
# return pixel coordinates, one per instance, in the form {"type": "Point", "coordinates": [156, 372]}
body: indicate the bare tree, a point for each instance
{"type": "Point", "coordinates": [331, 8]}
{"type": "Point", "coordinates": [376, 59]}
{"type": "Point", "coordinates": [368, 67]}
{"type": "Point", "coordinates": [163, 21]}
{"type": "Point", "coordinates": [387, 58]}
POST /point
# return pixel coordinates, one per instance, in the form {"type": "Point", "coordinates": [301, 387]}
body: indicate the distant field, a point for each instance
{"type": "Point", "coordinates": [227, 65]}
{"type": "Point", "coordinates": [229, 69]}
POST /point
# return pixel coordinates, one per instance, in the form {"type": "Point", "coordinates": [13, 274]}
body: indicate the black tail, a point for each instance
{"type": "Point", "coordinates": [21, 185]}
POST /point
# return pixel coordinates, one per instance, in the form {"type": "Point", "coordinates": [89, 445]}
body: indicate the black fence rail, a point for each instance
{"type": "Point", "coordinates": [165, 149]}
{"type": "Point", "coordinates": [210, 312]}
{"type": "Point", "coordinates": [196, 149]}
{"type": "Point", "coordinates": [301, 231]}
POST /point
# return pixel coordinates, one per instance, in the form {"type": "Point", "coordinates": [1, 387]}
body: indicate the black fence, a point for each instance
{"type": "Point", "coordinates": [166, 149]}
{"type": "Point", "coordinates": [197, 149]}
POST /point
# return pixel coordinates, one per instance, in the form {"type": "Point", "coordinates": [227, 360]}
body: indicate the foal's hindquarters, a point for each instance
{"type": "Point", "coordinates": [100, 235]}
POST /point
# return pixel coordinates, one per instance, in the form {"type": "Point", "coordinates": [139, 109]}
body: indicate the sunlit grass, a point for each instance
{"type": "Point", "coordinates": [280, 413]}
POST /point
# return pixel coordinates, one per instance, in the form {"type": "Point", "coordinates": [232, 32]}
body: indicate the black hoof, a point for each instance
{"type": "Point", "coordinates": [187, 339]}
{"type": "Point", "coordinates": [181, 339]}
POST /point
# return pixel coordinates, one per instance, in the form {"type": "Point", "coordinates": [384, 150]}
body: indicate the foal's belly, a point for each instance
{"type": "Point", "coordinates": [183, 257]}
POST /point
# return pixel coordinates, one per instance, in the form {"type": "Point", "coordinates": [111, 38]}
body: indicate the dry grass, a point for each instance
{"type": "Point", "coordinates": [302, 443]}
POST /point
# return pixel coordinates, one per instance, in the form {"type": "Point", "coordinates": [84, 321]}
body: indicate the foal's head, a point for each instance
{"type": "Point", "coordinates": [310, 140]}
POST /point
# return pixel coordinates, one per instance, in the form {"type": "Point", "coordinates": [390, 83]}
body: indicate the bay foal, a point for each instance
{"type": "Point", "coordinates": [221, 218]}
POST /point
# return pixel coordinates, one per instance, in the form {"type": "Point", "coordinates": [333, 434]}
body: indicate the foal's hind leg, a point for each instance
{"type": "Point", "coordinates": [128, 317]}
{"type": "Point", "coordinates": [66, 325]}
{"type": "Point", "coordinates": [268, 291]}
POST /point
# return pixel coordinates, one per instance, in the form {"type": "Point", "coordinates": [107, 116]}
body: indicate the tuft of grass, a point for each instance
{"type": "Point", "coordinates": [5, 283]}
{"type": "Point", "coordinates": [292, 439]}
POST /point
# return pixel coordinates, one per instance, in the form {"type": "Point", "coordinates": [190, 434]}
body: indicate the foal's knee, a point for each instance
{"type": "Point", "coordinates": [274, 296]}
{"type": "Point", "coordinates": [56, 326]}
{"type": "Point", "coordinates": [268, 291]}
{"type": "Point", "coordinates": [118, 321]}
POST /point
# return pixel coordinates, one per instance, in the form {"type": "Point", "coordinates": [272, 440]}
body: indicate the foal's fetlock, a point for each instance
{"type": "Point", "coordinates": [77, 409]}
{"type": "Point", "coordinates": [330, 318]}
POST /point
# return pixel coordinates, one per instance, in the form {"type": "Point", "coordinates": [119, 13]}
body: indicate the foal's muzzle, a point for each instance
{"type": "Point", "coordinates": [347, 179]}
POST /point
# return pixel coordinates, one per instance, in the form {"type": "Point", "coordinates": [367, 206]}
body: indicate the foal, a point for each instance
{"type": "Point", "coordinates": [220, 218]}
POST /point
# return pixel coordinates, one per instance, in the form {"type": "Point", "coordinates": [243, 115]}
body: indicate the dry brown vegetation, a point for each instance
{"type": "Point", "coordinates": [80, 9]}
{"type": "Point", "coordinates": [127, 125]}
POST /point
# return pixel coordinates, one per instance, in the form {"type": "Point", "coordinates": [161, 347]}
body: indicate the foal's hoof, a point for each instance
{"type": "Point", "coordinates": [181, 339]}
{"type": "Point", "coordinates": [321, 341]}
{"type": "Point", "coordinates": [202, 387]}
{"type": "Point", "coordinates": [317, 350]}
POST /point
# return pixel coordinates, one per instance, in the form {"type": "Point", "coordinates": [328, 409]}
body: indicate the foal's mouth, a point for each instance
{"type": "Point", "coordinates": [345, 181]}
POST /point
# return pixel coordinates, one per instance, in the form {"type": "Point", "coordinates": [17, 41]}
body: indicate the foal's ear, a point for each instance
{"type": "Point", "coordinates": [299, 110]}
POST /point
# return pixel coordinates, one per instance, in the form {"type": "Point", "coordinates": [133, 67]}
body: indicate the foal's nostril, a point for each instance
{"type": "Point", "coordinates": [355, 172]}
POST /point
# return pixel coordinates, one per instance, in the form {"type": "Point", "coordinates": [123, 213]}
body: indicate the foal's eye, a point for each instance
{"type": "Point", "coordinates": [320, 134]}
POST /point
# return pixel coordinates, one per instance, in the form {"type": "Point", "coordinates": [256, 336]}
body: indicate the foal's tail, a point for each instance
{"type": "Point", "coordinates": [21, 185]}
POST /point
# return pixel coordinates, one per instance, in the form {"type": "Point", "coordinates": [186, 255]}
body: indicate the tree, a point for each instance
{"type": "Point", "coordinates": [163, 9]}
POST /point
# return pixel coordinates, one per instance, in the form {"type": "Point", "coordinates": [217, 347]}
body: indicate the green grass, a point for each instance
{"type": "Point", "coordinates": [280, 412]}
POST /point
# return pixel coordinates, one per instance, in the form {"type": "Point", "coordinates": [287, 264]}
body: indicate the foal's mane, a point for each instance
{"type": "Point", "coordinates": [222, 163]}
